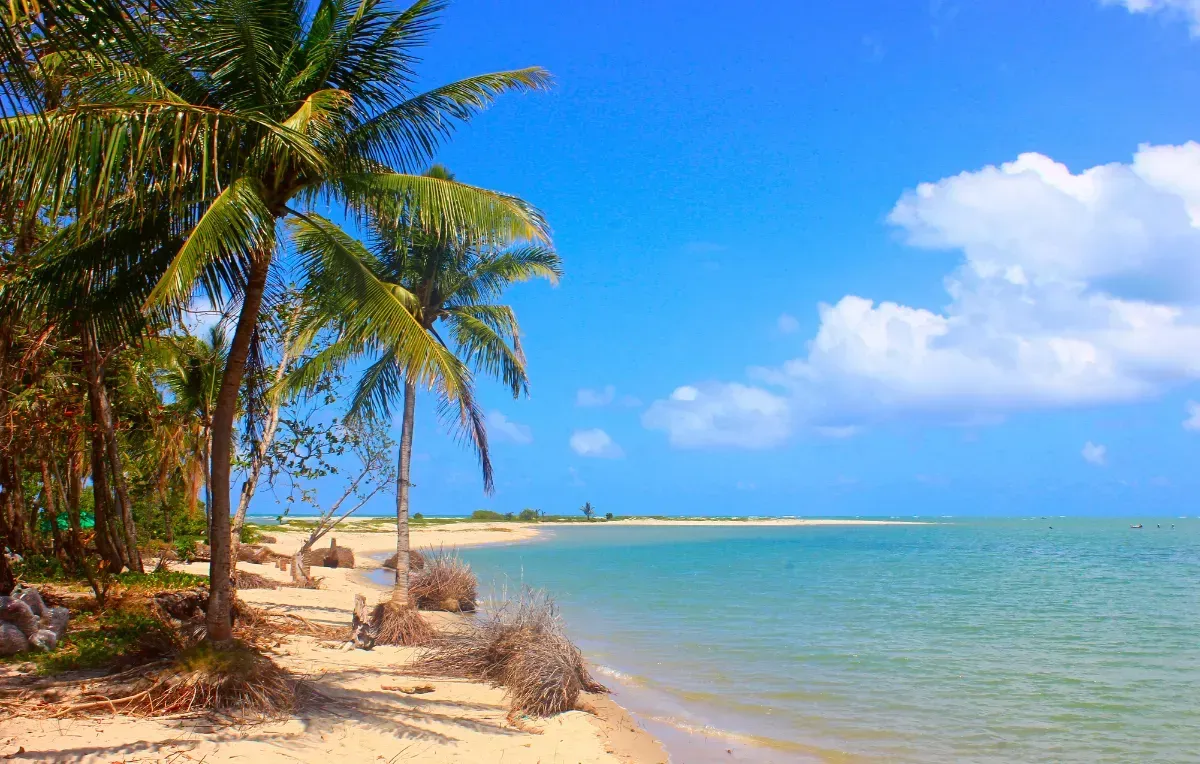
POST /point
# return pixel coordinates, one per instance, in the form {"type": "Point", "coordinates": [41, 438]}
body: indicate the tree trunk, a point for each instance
{"type": "Point", "coordinates": [102, 409]}
{"type": "Point", "coordinates": [400, 591]}
{"type": "Point", "coordinates": [220, 600]}
{"type": "Point", "coordinates": [7, 580]}
{"type": "Point", "coordinates": [51, 508]}
{"type": "Point", "coordinates": [264, 445]}
{"type": "Point", "coordinates": [108, 543]}
{"type": "Point", "coordinates": [208, 483]}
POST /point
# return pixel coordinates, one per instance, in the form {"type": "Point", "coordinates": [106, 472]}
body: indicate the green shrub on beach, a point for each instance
{"type": "Point", "coordinates": [528, 516]}
{"type": "Point", "coordinates": [486, 515]}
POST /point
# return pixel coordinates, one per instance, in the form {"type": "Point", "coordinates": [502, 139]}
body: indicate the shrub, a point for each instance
{"type": "Point", "coordinates": [608, 515]}
{"type": "Point", "coordinates": [445, 582]}
{"type": "Point", "coordinates": [528, 516]}
{"type": "Point", "coordinates": [522, 647]}
{"type": "Point", "coordinates": [416, 560]}
{"type": "Point", "coordinates": [250, 534]}
{"type": "Point", "coordinates": [486, 514]}
{"type": "Point", "coordinates": [418, 516]}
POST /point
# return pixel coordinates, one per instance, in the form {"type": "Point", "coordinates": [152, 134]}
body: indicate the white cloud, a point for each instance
{"type": "Point", "coordinates": [595, 443]}
{"type": "Point", "coordinates": [721, 415]}
{"type": "Point", "coordinates": [1188, 9]}
{"type": "Point", "coordinates": [595, 398]}
{"type": "Point", "coordinates": [509, 430]}
{"type": "Point", "coordinates": [838, 433]}
{"type": "Point", "coordinates": [1094, 453]}
{"type": "Point", "coordinates": [201, 317]}
{"type": "Point", "coordinates": [1193, 420]}
{"type": "Point", "coordinates": [787, 324]}
{"type": "Point", "coordinates": [586, 397]}
{"type": "Point", "coordinates": [1072, 289]}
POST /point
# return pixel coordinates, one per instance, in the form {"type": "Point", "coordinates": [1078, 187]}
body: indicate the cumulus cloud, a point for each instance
{"type": "Point", "coordinates": [1193, 419]}
{"type": "Point", "coordinates": [586, 397]}
{"type": "Point", "coordinates": [1093, 453]}
{"type": "Point", "coordinates": [500, 425]}
{"type": "Point", "coordinates": [595, 443]}
{"type": "Point", "coordinates": [721, 415]}
{"type": "Point", "coordinates": [606, 397]}
{"type": "Point", "coordinates": [1071, 289]}
{"type": "Point", "coordinates": [1187, 9]}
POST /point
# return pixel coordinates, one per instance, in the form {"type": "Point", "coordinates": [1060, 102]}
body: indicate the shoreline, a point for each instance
{"type": "Point", "coordinates": [363, 712]}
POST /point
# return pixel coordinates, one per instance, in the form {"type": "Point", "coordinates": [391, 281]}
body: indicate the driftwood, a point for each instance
{"type": "Point", "coordinates": [364, 626]}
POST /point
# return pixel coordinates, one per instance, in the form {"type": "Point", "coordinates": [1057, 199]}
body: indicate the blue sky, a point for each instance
{"type": "Point", "coordinates": [868, 257]}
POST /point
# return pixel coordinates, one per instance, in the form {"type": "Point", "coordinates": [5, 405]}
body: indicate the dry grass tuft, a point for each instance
{"type": "Point", "coordinates": [246, 580]}
{"type": "Point", "coordinates": [399, 625]}
{"type": "Point", "coordinates": [259, 625]}
{"type": "Point", "coordinates": [416, 561]}
{"type": "Point", "coordinates": [522, 647]}
{"type": "Point", "coordinates": [444, 582]}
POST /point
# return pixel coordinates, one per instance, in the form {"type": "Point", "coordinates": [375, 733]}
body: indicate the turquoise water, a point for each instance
{"type": "Point", "coordinates": [960, 641]}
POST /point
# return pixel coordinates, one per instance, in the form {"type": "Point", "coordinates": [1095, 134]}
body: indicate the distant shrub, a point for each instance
{"type": "Point", "coordinates": [608, 515]}
{"type": "Point", "coordinates": [486, 514]}
{"type": "Point", "coordinates": [509, 516]}
{"type": "Point", "coordinates": [528, 516]}
{"type": "Point", "coordinates": [418, 516]}
{"type": "Point", "coordinates": [250, 534]}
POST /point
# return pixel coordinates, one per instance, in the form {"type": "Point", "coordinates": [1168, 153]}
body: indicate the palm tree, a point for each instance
{"type": "Point", "coordinates": [588, 510]}
{"type": "Point", "coordinates": [185, 130]}
{"type": "Point", "coordinates": [191, 370]}
{"type": "Point", "coordinates": [454, 281]}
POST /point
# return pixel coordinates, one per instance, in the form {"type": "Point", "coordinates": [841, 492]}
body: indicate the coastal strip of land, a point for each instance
{"type": "Point", "coordinates": [367, 709]}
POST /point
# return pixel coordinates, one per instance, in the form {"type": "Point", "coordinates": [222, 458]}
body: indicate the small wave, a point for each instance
{"type": "Point", "coordinates": [753, 741]}
{"type": "Point", "coordinates": [621, 676]}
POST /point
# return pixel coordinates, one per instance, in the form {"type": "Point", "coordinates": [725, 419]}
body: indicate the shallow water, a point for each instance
{"type": "Point", "coordinates": [960, 641]}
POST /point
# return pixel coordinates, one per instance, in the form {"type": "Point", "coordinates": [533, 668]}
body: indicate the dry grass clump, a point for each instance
{"type": "Point", "coordinates": [444, 582]}
{"type": "Point", "coordinates": [245, 580]}
{"type": "Point", "coordinates": [233, 681]}
{"type": "Point", "coordinates": [260, 625]}
{"type": "Point", "coordinates": [522, 647]}
{"type": "Point", "coordinates": [332, 557]}
{"type": "Point", "coordinates": [395, 624]}
{"type": "Point", "coordinates": [416, 560]}
{"type": "Point", "coordinates": [259, 555]}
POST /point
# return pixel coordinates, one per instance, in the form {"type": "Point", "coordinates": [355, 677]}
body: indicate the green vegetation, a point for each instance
{"type": "Point", "coordinates": [110, 638]}
{"type": "Point", "coordinates": [487, 514]}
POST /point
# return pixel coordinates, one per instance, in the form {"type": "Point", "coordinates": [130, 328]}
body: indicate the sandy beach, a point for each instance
{"type": "Point", "coordinates": [363, 713]}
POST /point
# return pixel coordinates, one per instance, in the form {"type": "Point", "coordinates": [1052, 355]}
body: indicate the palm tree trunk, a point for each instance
{"type": "Point", "coordinates": [220, 601]}
{"type": "Point", "coordinates": [103, 409]}
{"type": "Point", "coordinates": [108, 543]}
{"type": "Point", "coordinates": [264, 445]}
{"type": "Point", "coordinates": [51, 509]}
{"type": "Point", "coordinates": [400, 591]}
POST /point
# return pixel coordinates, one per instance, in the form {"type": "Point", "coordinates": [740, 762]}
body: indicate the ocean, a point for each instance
{"type": "Point", "coordinates": [1023, 640]}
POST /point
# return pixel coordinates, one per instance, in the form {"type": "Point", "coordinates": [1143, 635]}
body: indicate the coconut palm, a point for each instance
{"type": "Point", "coordinates": [191, 370]}
{"type": "Point", "coordinates": [454, 281]}
{"type": "Point", "coordinates": [186, 130]}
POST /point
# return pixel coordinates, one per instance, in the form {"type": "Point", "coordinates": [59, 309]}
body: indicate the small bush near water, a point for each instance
{"type": "Point", "coordinates": [522, 647]}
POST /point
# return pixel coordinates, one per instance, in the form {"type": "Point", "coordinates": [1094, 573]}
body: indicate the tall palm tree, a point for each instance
{"type": "Point", "coordinates": [185, 130]}
{"type": "Point", "coordinates": [191, 370]}
{"type": "Point", "coordinates": [454, 281]}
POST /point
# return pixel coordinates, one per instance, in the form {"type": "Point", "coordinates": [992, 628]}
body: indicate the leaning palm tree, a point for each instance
{"type": "Point", "coordinates": [185, 130]}
{"type": "Point", "coordinates": [451, 283]}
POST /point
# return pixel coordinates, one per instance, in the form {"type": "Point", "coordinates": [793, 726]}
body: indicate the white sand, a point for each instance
{"type": "Point", "coordinates": [357, 720]}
